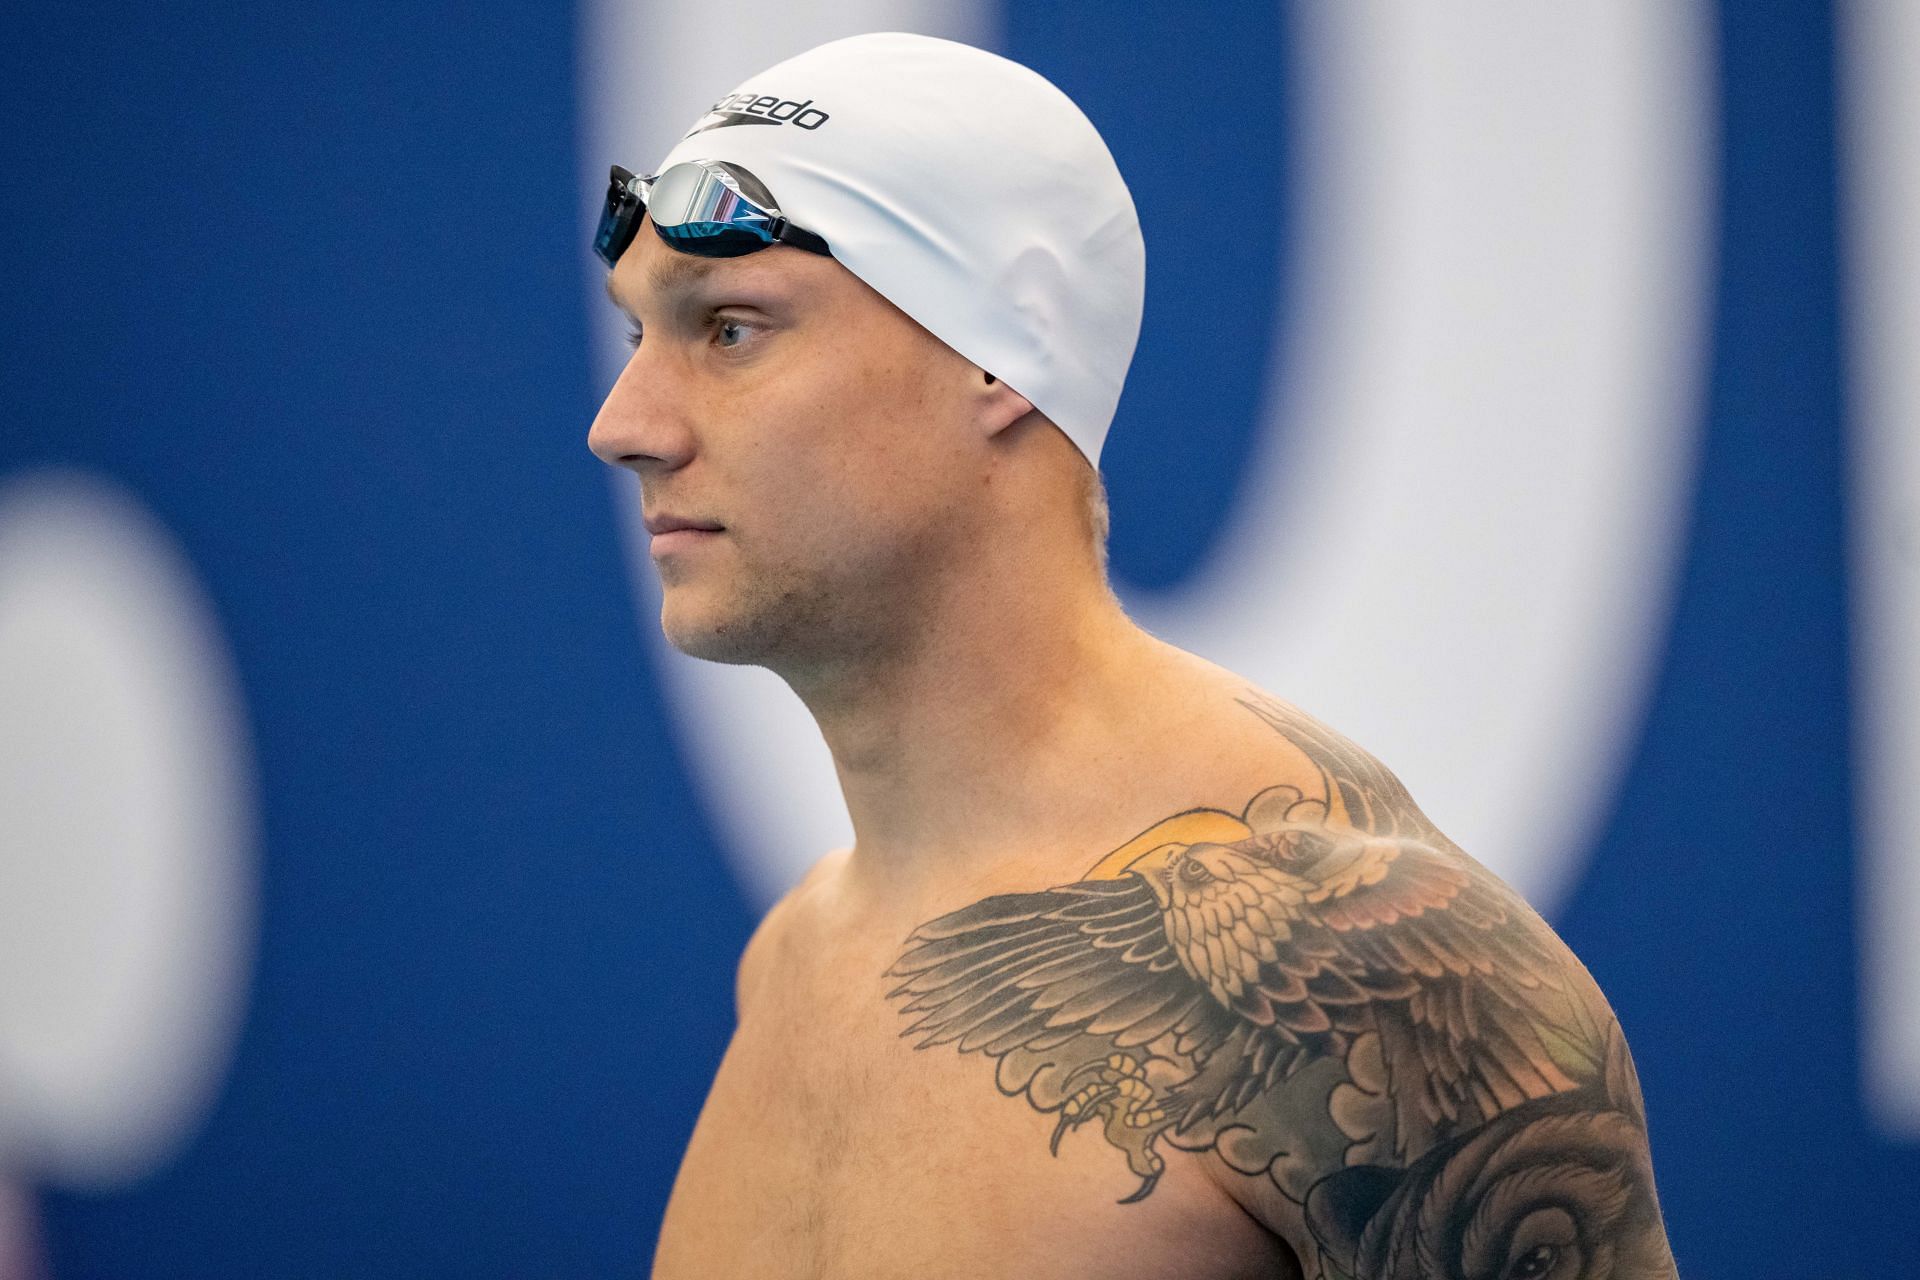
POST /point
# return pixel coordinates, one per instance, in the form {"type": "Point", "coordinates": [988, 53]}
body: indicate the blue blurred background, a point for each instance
{"type": "Point", "coordinates": [302, 294]}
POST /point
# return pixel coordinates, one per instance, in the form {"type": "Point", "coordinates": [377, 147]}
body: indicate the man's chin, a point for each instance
{"type": "Point", "coordinates": [713, 638]}
{"type": "Point", "coordinates": [703, 643]}
{"type": "Point", "coordinates": [783, 629]}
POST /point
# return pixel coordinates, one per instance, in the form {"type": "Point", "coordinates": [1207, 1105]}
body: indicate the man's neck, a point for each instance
{"type": "Point", "coordinates": [991, 729]}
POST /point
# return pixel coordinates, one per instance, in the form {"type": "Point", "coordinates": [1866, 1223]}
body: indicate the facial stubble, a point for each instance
{"type": "Point", "coordinates": [802, 618]}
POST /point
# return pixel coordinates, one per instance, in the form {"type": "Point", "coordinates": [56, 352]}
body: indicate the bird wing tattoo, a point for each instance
{"type": "Point", "coordinates": [1319, 981]}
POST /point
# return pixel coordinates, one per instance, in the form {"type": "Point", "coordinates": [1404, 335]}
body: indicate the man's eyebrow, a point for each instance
{"type": "Point", "coordinates": [671, 274]}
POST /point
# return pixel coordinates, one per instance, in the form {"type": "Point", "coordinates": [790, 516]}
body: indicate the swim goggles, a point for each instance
{"type": "Point", "coordinates": [704, 207]}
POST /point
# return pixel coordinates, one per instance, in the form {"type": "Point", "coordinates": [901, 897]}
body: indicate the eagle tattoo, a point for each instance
{"type": "Point", "coordinates": [1220, 960]}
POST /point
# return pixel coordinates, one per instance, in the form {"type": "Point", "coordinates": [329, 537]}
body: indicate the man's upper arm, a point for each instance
{"type": "Point", "coordinates": [1491, 1136]}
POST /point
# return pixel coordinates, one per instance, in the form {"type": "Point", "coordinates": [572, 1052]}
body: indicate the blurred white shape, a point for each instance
{"type": "Point", "coordinates": [1464, 556]}
{"type": "Point", "coordinates": [650, 71]}
{"type": "Point", "coordinates": [1880, 106]}
{"type": "Point", "coordinates": [126, 837]}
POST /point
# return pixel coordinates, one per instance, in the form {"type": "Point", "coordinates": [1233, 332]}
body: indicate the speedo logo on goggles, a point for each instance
{"type": "Point", "coordinates": [751, 108]}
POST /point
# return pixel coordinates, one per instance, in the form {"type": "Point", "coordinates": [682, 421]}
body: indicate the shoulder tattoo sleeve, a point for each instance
{"type": "Point", "coordinates": [1323, 991]}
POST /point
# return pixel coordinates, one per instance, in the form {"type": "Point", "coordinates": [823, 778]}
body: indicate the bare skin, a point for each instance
{"type": "Point", "coordinates": [942, 1067]}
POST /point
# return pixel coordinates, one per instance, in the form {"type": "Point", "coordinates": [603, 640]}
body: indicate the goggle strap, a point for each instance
{"type": "Point", "coordinates": [785, 232]}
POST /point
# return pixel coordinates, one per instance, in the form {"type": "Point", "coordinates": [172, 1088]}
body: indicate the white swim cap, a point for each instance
{"type": "Point", "coordinates": [966, 190]}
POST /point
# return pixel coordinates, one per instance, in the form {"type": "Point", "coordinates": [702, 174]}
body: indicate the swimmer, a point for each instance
{"type": "Point", "coordinates": [1132, 969]}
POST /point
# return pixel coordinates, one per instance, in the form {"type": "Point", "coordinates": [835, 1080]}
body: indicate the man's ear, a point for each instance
{"type": "Point", "coordinates": [998, 405]}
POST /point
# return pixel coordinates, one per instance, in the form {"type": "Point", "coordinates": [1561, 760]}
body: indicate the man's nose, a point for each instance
{"type": "Point", "coordinates": [640, 425]}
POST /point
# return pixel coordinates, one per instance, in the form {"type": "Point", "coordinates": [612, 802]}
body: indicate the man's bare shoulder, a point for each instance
{"type": "Point", "coordinates": [777, 928]}
{"type": "Point", "coordinates": [1371, 1042]}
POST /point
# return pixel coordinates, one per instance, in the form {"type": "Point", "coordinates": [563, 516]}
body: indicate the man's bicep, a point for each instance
{"type": "Point", "coordinates": [1552, 1185]}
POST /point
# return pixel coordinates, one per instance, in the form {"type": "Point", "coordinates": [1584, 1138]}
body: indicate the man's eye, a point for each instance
{"type": "Point", "coordinates": [729, 333]}
{"type": "Point", "coordinates": [633, 336]}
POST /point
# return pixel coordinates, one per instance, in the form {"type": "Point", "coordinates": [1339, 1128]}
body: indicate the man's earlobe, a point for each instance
{"type": "Point", "coordinates": [1005, 407]}
{"type": "Point", "coordinates": [997, 405]}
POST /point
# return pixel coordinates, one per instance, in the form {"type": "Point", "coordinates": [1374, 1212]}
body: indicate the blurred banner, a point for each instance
{"type": "Point", "coordinates": [1526, 389]}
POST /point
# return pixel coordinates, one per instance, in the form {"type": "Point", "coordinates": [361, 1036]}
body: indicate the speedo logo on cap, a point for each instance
{"type": "Point", "coordinates": [751, 108]}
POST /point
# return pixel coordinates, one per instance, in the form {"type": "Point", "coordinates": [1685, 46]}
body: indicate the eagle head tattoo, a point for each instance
{"type": "Point", "coordinates": [1187, 981]}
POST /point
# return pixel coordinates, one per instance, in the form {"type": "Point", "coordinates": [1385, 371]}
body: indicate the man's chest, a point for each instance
{"type": "Point", "coordinates": [830, 1146]}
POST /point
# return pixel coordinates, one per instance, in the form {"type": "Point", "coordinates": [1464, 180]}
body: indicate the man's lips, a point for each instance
{"type": "Point", "coordinates": [676, 533]}
{"type": "Point", "coordinates": [659, 524]}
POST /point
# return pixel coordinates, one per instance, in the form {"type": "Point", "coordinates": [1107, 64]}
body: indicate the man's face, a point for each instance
{"type": "Point", "coordinates": [816, 435]}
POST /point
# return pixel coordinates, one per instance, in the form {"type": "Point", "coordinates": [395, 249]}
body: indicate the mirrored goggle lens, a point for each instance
{"type": "Point", "coordinates": [700, 207]}
{"type": "Point", "coordinates": [691, 193]}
